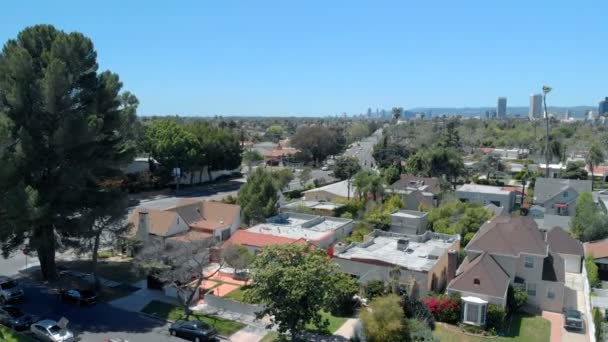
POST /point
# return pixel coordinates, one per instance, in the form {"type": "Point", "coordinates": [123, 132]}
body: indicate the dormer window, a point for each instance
{"type": "Point", "coordinates": [476, 281]}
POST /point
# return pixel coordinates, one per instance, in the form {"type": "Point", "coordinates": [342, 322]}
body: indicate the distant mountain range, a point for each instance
{"type": "Point", "coordinates": [575, 111]}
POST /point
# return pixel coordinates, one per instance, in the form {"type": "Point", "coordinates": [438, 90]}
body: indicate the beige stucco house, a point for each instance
{"type": "Point", "coordinates": [509, 251]}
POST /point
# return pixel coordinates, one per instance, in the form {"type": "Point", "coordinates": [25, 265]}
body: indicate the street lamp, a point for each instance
{"type": "Point", "coordinates": [546, 90]}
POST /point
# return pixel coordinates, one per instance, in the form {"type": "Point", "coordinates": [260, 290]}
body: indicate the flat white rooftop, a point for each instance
{"type": "Point", "coordinates": [486, 189]}
{"type": "Point", "coordinates": [384, 248]}
{"type": "Point", "coordinates": [298, 226]}
{"type": "Point", "coordinates": [409, 213]}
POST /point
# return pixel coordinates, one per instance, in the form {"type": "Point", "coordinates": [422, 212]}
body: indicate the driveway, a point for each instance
{"type": "Point", "coordinates": [94, 323]}
{"type": "Point", "coordinates": [574, 298]}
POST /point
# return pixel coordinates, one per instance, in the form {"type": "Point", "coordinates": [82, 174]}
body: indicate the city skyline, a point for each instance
{"type": "Point", "coordinates": [319, 58]}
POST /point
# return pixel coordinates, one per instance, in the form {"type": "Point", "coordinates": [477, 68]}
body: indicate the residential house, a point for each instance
{"type": "Point", "coordinates": [330, 193]}
{"type": "Point", "coordinates": [600, 171]}
{"type": "Point", "coordinates": [485, 194]}
{"type": "Point", "coordinates": [508, 250]}
{"type": "Point", "coordinates": [558, 196]}
{"type": "Point", "coordinates": [598, 250]}
{"type": "Point", "coordinates": [287, 228]}
{"type": "Point", "coordinates": [280, 156]}
{"type": "Point", "coordinates": [314, 207]}
{"type": "Point", "coordinates": [569, 248]}
{"type": "Point", "coordinates": [423, 263]}
{"type": "Point", "coordinates": [409, 222]}
{"type": "Point", "coordinates": [554, 169]}
{"type": "Point", "coordinates": [417, 191]}
{"type": "Point", "coordinates": [190, 220]}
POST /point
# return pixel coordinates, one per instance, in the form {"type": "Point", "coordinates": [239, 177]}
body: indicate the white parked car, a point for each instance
{"type": "Point", "coordinates": [49, 330]}
{"type": "Point", "coordinates": [325, 168]}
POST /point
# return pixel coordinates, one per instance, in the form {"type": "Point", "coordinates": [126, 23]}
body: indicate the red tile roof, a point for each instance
{"type": "Point", "coordinates": [599, 249]}
{"type": "Point", "coordinates": [487, 149]}
{"type": "Point", "coordinates": [253, 239]}
{"type": "Point", "coordinates": [279, 152]}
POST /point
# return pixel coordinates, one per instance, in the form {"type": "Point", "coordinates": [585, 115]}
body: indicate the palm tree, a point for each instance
{"type": "Point", "coordinates": [546, 90]}
{"type": "Point", "coordinates": [397, 111]}
{"type": "Point", "coordinates": [594, 158]}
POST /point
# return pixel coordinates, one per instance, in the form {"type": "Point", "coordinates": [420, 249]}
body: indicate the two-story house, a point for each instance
{"type": "Point", "coordinates": [558, 196]}
{"type": "Point", "coordinates": [508, 251]}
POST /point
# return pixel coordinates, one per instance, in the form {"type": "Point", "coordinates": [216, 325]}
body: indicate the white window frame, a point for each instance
{"type": "Point", "coordinates": [481, 317]}
{"type": "Point", "coordinates": [528, 286]}
{"type": "Point", "coordinates": [528, 260]}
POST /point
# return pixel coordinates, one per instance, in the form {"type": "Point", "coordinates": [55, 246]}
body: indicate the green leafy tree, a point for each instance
{"type": "Point", "coordinates": [397, 112]}
{"type": "Point", "coordinates": [346, 167]}
{"type": "Point", "coordinates": [318, 142]}
{"type": "Point", "coordinates": [589, 223]}
{"type": "Point", "coordinates": [458, 218]}
{"type": "Point", "coordinates": [516, 298]}
{"type": "Point", "coordinates": [594, 158]}
{"type": "Point", "coordinates": [258, 197]}
{"type": "Point", "coordinates": [67, 134]}
{"type": "Point", "coordinates": [340, 300]}
{"type": "Point", "coordinates": [274, 133]}
{"type": "Point", "coordinates": [384, 320]}
{"type": "Point", "coordinates": [294, 282]}
{"type": "Point", "coordinates": [574, 170]}
{"type": "Point", "coordinates": [488, 165]}
{"type": "Point", "coordinates": [237, 257]}
{"type": "Point", "coordinates": [357, 131]}
{"type": "Point", "coordinates": [282, 178]}
{"type": "Point", "coordinates": [391, 174]}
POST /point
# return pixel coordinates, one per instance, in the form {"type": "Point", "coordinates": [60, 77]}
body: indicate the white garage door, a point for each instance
{"type": "Point", "coordinates": [572, 263]}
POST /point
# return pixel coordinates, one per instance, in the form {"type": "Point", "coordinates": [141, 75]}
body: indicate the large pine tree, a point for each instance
{"type": "Point", "coordinates": [66, 139]}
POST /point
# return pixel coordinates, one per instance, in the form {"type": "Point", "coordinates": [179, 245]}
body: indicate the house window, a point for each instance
{"type": "Point", "coordinates": [472, 313]}
{"type": "Point", "coordinates": [476, 281]}
{"type": "Point", "coordinates": [550, 294]}
{"type": "Point", "coordinates": [528, 262]}
{"type": "Point", "coordinates": [531, 289]}
{"type": "Point", "coordinates": [565, 194]}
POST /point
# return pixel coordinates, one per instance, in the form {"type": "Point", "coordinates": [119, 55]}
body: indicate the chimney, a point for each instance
{"type": "Point", "coordinates": [143, 230]}
{"type": "Point", "coordinates": [452, 265]}
{"type": "Point", "coordinates": [402, 244]}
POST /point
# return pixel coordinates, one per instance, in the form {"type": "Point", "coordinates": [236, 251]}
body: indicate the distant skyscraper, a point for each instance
{"type": "Point", "coordinates": [536, 106]}
{"type": "Point", "coordinates": [602, 109]}
{"type": "Point", "coordinates": [501, 107]}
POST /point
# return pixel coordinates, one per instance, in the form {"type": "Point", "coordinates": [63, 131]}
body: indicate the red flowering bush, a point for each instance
{"type": "Point", "coordinates": [444, 308]}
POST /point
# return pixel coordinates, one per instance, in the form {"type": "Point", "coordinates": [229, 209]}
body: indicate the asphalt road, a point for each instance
{"type": "Point", "coordinates": [363, 150]}
{"type": "Point", "coordinates": [210, 193]}
{"type": "Point", "coordinates": [93, 323]}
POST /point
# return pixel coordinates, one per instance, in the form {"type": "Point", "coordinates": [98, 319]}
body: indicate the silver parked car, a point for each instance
{"type": "Point", "coordinates": [10, 290]}
{"type": "Point", "coordinates": [49, 330]}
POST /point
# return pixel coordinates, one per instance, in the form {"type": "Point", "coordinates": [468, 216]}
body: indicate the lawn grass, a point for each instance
{"type": "Point", "coordinates": [239, 294]}
{"type": "Point", "coordinates": [7, 335]}
{"type": "Point", "coordinates": [270, 337]}
{"type": "Point", "coordinates": [172, 312]}
{"type": "Point", "coordinates": [334, 322]}
{"type": "Point", "coordinates": [524, 328]}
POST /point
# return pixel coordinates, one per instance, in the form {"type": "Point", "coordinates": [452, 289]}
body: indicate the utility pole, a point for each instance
{"type": "Point", "coordinates": [546, 91]}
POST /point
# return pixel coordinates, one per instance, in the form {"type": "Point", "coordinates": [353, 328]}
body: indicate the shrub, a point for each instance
{"type": "Point", "coordinates": [444, 308]}
{"type": "Point", "coordinates": [415, 309]}
{"type": "Point", "coordinates": [341, 300]}
{"type": "Point", "coordinates": [495, 316]}
{"type": "Point", "coordinates": [105, 254]}
{"type": "Point", "coordinates": [375, 288]}
{"type": "Point", "coordinates": [420, 332]}
{"type": "Point", "coordinates": [516, 298]}
{"type": "Point", "coordinates": [472, 329]}
{"type": "Point", "coordinates": [597, 321]}
{"type": "Point", "coordinates": [592, 272]}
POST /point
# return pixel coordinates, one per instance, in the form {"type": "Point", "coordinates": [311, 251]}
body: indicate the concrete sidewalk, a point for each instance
{"type": "Point", "coordinates": [348, 328]}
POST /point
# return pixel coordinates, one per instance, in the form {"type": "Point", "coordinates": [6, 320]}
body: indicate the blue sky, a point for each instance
{"type": "Point", "coordinates": [328, 57]}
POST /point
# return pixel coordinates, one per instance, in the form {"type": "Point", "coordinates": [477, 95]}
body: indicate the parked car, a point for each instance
{"type": "Point", "coordinates": [9, 290]}
{"type": "Point", "coordinates": [13, 317]}
{"type": "Point", "coordinates": [573, 319]}
{"type": "Point", "coordinates": [49, 330]}
{"type": "Point", "coordinates": [80, 297]}
{"type": "Point", "coordinates": [325, 168]}
{"type": "Point", "coordinates": [196, 331]}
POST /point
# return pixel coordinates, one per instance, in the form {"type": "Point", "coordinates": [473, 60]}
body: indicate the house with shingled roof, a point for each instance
{"type": "Point", "coordinates": [509, 251]}
{"type": "Point", "coordinates": [558, 196]}
{"type": "Point", "coordinates": [190, 220]}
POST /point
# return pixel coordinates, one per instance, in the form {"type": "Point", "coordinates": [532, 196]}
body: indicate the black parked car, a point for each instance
{"type": "Point", "coordinates": [80, 297]}
{"type": "Point", "coordinates": [573, 319]}
{"type": "Point", "coordinates": [13, 317]}
{"type": "Point", "coordinates": [196, 331]}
